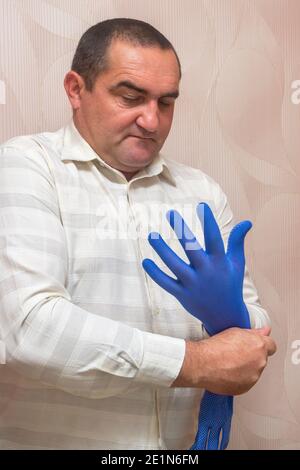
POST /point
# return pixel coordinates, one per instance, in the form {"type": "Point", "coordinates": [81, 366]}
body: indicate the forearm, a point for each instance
{"type": "Point", "coordinates": [84, 354]}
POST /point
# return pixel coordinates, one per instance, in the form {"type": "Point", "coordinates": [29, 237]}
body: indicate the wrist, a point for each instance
{"type": "Point", "coordinates": [192, 368]}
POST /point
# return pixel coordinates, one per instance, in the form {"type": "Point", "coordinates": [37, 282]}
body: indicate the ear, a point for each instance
{"type": "Point", "coordinates": [74, 86]}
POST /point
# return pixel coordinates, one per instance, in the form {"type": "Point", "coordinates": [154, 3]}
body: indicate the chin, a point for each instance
{"type": "Point", "coordinates": [138, 161]}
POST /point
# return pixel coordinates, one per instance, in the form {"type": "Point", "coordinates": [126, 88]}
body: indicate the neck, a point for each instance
{"type": "Point", "coordinates": [129, 175]}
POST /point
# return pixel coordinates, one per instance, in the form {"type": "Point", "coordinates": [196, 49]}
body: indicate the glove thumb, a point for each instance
{"type": "Point", "coordinates": [235, 247]}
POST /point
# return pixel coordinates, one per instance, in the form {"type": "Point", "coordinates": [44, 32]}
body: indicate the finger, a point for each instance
{"type": "Point", "coordinates": [271, 346]}
{"type": "Point", "coordinates": [269, 342]}
{"type": "Point", "coordinates": [212, 235]}
{"type": "Point", "coordinates": [225, 435]}
{"type": "Point", "coordinates": [265, 331]}
{"type": "Point", "coordinates": [213, 439]}
{"type": "Point", "coordinates": [162, 279]}
{"type": "Point", "coordinates": [201, 438]}
{"type": "Point", "coordinates": [187, 239]}
{"type": "Point", "coordinates": [169, 257]}
{"type": "Point", "coordinates": [235, 246]}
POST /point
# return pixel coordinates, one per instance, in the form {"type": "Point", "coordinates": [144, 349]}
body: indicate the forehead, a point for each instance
{"type": "Point", "coordinates": [148, 67]}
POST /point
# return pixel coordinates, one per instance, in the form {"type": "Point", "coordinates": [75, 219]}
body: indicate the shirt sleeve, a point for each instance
{"type": "Point", "coordinates": [258, 315]}
{"type": "Point", "coordinates": [48, 338]}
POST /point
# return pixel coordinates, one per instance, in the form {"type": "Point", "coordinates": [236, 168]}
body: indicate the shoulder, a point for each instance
{"type": "Point", "coordinates": [30, 149]}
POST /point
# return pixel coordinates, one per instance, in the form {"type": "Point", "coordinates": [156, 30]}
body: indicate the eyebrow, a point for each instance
{"type": "Point", "coordinates": [132, 86]}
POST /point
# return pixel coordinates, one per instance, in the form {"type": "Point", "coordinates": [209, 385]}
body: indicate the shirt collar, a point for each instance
{"type": "Point", "coordinates": [75, 147]}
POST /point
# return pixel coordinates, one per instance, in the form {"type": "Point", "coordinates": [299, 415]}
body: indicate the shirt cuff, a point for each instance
{"type": "Point", "coordinates": [258, 317]}
{"type": "Point", "coordinates": [205, 334]}
{"type": "Point", "coordinates": [162, 359]}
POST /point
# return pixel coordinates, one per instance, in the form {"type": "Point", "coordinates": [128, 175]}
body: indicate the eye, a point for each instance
{"type": "Point", "coordinates": [166, 103]}
{"type": "Point", "coordinates": [130, 99]}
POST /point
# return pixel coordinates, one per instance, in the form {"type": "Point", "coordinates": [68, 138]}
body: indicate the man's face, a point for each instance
{"type": "Point", "coordinates": [128, 115]}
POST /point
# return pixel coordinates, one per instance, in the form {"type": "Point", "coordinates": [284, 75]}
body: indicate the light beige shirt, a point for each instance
{"type": "Point", "coordinates": [92, 343]}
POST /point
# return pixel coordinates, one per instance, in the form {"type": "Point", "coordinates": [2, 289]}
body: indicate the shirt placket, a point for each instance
{"type": "Point", "coordinates": [135, 224]}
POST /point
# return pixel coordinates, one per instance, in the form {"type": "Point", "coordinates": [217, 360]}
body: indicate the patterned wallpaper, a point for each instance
{"type": "Point", "coordinates": [238, 118]}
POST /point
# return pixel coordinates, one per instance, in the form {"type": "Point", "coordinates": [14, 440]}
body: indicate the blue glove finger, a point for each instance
{"type": "Point", "coordinates": [161, 278]}
{"type": "Point", "coordinates": [235, 246]}
{"type": "Point", "coordinates": [169, 257]}
{"type": "Point", "coordinates": [201, 438]}
{"type": "Point", "coordinates": [225, 434]}
{"type": "Point", "coordinates": [213, 239]}
{"type": "Point", "coordinates": [213, 439]}
{"type": "Point", "coordinates": [187, 239]}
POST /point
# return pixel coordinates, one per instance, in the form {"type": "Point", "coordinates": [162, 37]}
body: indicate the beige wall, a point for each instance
{"type": "Point", "coordinates": [238, 119]}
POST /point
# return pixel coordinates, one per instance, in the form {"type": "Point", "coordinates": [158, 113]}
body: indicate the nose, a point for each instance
{"type": "Point", "coordinates": [148, 118]}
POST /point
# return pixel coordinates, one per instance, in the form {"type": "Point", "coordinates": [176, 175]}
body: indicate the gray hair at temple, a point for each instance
{"type": "Point", "coordinates": [90, 58]}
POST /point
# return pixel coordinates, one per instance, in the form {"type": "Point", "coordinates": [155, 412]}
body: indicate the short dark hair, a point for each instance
{"type": "Point", "coordinates": [91, 54]}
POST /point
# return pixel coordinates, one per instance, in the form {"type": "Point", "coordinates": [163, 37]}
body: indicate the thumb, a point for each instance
{"type": "Point", "coordinates": [235, 247]}
{"type": "Point", "coordinates": [265, 331]}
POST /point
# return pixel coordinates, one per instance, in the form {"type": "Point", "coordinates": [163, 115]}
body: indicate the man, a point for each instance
{"type": "Point", "coordinates": [98, 356]}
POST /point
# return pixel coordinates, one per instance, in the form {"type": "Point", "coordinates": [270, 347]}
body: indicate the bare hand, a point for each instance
{"type": "Point", "coordinates": [228, 363]}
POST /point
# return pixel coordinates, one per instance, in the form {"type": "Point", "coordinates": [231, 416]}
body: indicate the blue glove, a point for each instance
{"type": "Point", "coordinates": [211, 289]}
{"type": "Point", "coordinates": [211, 286]}
{"type": "Point", "coordinates": [214, 418]}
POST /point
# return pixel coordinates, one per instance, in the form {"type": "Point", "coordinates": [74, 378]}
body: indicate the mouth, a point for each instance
{"type": "Point", "coordinates": [142, 138]}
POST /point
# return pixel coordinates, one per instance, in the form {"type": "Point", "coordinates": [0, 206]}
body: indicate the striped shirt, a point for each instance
{"type": "Point", "coordinates": [93, 344]}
